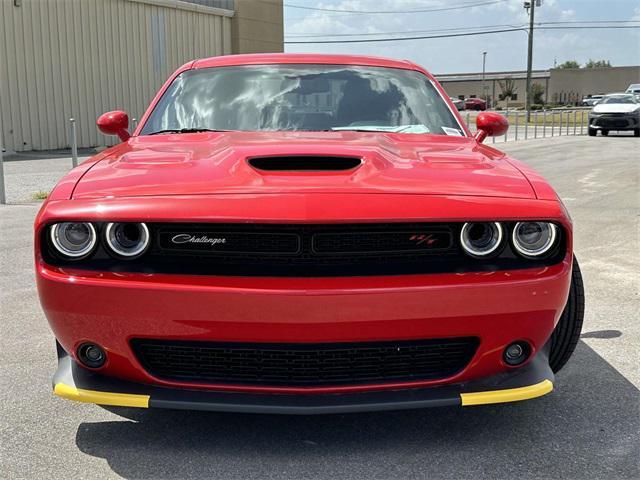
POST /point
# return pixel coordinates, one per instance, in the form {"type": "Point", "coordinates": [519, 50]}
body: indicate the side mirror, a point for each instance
{"type": "Point", "coordinates": [490, 124]}
{"type": "Point", "coordinates": [114, 123]}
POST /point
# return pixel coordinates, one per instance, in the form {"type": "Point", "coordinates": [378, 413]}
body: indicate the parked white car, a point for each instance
{"type": "Point", "coordinates": [459, 104]}
{"type": "Point", "coordinates": [616, 111]}
{"type": "Point", "coordinates": [634, 88]}
{"type": "Point", "coordinates": [591, 100]}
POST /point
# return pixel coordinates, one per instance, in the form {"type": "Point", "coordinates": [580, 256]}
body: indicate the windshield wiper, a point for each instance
{"type": "Point", "coordinates": [417, 128]}
{"type": "Point", "coordinates": [187, 130]}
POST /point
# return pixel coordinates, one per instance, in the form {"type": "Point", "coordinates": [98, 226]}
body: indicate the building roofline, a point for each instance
{"type": "Point", "coordinates": [461, 77]}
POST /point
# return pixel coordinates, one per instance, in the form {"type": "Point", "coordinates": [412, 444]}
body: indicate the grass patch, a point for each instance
{"type": "Point", "coordinates": [552, 118]}
{"type": "Point", "coordinates": [40, 195]}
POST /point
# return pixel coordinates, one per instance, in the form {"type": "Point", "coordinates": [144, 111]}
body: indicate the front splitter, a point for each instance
{"type": "Point", "coordinates": [75, 383]}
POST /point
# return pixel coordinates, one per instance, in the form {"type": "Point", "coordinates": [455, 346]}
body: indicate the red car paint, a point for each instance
{"type": "Point", "coordinates": [203, 177]}
{"type": "Point", "coordinates": [475, 104]}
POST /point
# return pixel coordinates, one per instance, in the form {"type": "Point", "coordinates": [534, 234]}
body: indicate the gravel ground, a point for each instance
{"type": "Point", "coordinates": [26, 175]}
{"type": "Point", "coordinates": [587, 428]}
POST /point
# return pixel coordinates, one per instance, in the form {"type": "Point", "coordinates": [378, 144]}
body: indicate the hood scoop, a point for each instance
{"type": "Point", "coordinates": [304, 163]}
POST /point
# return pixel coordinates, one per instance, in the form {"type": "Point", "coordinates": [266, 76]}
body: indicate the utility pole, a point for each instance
{"type": "Point", "coordinates": [3, 196]}
{"type": "Point", "coordinates": [531, 7]}
{"type": "Point", "coordinates": [484, 62]}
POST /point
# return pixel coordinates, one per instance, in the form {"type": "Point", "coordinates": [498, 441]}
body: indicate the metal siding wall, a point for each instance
{"type": "Point", "coordinates": [79, 58]}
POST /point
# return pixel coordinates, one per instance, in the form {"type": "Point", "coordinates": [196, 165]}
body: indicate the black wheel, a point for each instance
{"type": "Point", "coordinates": [567, 333]}
{"type": "Point", "coordinates": [636, 132]}
{"type": "Point", "coordinates": [604, 132]}
{"type": "Point", "coordinates": [592, 132]}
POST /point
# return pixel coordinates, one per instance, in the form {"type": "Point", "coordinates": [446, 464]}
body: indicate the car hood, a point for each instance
{"type": "Point", "coordinates": [214, 163]}
{"type": "Point", "coordinates": [616, 108]}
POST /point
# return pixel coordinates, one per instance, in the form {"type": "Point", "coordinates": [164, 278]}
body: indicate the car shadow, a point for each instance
{"type": "Point", "coordinates": [587, 428]}
{"type": "Point", "coordinates": [602, 334]}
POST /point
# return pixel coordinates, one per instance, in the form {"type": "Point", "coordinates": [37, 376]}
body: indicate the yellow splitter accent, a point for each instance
{"type": "Point", "coordinates": [101, 398]}
{"type": "Point", "coordinates": [508, 395]}
{"type": "Point", "coordinates": [142, 401]}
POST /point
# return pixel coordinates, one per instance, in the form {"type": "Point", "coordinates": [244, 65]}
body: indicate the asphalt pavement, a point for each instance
{"type": "Point", "coordinates": [587, 428]}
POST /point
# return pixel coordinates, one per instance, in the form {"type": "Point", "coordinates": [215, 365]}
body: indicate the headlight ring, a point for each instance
{"type": "Point", "coordinates": [481, 239]}
{"type": "Point", "coordinates": [74, 240]}
{"type": "Point", "coordinates": [534, 239]}
{"type": "Point", "coordinates": [128, 240]}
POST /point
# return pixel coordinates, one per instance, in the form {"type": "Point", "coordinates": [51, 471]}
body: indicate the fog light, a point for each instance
{"type": "Point", "coordinates": [516, 353]}
{"type": "Point", "coordinates": [91, 355]}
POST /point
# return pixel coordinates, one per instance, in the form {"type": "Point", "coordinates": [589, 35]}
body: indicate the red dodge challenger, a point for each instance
{"type": "Point", "coordinates": [305, 234]}
{"type": "Point", "coordinates": [475, 104]}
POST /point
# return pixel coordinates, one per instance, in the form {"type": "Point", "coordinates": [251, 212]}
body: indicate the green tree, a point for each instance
{"type": "Point", "coordinates": [507, 89]}
{"type": "Point", "coordinates": [569, 64]}
{"type": "Point", "coordinates": [537, 91]}
{"type": "Point", "coordinates": [597, 64]}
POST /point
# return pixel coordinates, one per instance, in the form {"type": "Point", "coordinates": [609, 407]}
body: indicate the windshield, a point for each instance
{"type": "Point", "coordinates": [302, 98]}
{"type": "Point", "coordinates": [619, 99]}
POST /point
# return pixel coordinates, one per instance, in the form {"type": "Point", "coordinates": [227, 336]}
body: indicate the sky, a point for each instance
{"type": "Point", "coordinates": [505, 51]}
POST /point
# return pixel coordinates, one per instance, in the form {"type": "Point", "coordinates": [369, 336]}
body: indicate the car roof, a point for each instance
{"type": "Point", "coordinates": [310, 58]}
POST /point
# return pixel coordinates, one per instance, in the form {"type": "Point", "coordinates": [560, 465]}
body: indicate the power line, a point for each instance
{"type": "Point", "coordinates": [400, 39]}
{"type": "Point", "coordinates": [588, 21]}
{"type": "Point", "coordinates": [405, 32]}
{"type": "Point", "coordinates": [467, 34]}
{"type": "Point", "coordinates": [456, 29]}
{"type": "Point", "coordinates": [376, 12]}
{"type": "Point", "coordinates": [593, 27]}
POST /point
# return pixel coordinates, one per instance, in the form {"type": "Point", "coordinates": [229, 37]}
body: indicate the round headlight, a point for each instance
{"type": "Point", "coordinates": [481, 239]}
{"type": "Point", "coordinates": [73, 240]}
{"type": "Point", "coordinates": [532, 239]}
{"type": "Point", "coordinates": [127, 239]}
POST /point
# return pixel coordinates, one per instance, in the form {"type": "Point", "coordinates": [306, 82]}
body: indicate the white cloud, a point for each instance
{"type": "Point", "coordinates": [506, 51]}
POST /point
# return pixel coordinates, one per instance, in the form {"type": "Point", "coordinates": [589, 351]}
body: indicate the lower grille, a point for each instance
{"type": "Point", "coordinates": [615, 121]}
{"type": "Point", "coordinates": [298, 364]}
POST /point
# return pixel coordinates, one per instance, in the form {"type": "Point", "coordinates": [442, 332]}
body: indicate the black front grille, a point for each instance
{"type": "Point", "coordinates": [297, 364]}
{"type": "Point", "coordinates": [611, 120]}
{"type": "Point", "coordinates": [209, 240]}
{"type": "Point", "coordinates": [363, 243]}
{"type": "Point", "coordinates": [304, 250]}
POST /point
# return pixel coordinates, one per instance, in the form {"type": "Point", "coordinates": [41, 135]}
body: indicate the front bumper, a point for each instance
{"type": "Point", "coordinates": [75, 383]}
{"type": "Point", "coordinates": [615, 121]}
{"type": "Point", "coordinates": [111, 309]}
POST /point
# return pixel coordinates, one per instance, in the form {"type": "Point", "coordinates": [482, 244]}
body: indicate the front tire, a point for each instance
{"type": "Point", "coordinates": [592, 132]}
{"type": "Point", "coordinates": [567, 332]}
{"type": "Point", "coordinates": [604, 132]}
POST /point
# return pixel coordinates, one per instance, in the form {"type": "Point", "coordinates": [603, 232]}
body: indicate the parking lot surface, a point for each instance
{"type": "Point", "coordinates": [587, 428]}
